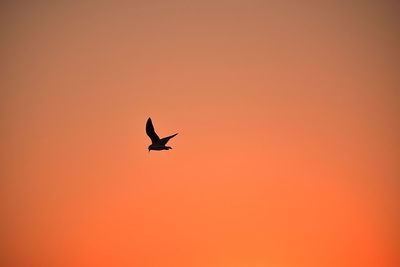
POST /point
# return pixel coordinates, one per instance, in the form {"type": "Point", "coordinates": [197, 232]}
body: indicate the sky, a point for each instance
{"type": "Point", "coordinates": [287, 152]}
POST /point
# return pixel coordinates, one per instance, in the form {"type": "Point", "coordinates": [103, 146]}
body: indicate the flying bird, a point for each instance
{"type": "Point", "coordinates": [156, 142]}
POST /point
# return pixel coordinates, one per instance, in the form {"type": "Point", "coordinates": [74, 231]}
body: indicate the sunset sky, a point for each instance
{"type": "Point", "coordinates": [288, 145]}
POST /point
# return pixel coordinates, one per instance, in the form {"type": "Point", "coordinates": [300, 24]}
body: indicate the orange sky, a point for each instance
{"type": "Point", "coordinates": [287, 113]}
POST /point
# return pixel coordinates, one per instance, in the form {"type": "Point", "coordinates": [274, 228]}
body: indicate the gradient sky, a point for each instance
{"type": "Point", "coordinates": [287, 153]}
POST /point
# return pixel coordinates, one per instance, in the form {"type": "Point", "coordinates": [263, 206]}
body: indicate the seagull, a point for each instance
{"type": "Point", "coordinates": [156, 142]}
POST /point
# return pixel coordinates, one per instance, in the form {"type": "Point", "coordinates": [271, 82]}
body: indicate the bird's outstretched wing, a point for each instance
{"type": "Point", "coordinates": [150, 131]}
{"type": "Point", "coordinates": [165, 140]}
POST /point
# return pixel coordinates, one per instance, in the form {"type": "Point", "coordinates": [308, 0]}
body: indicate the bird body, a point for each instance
{"type": "Point", "coordinates": [156, 142]}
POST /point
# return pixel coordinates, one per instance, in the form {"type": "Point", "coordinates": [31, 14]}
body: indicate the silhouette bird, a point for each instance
{"type": "Point", "coordinates": [156, 142]}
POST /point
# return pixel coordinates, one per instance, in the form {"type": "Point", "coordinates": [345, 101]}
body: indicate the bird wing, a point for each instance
{"type": "Point", "coordinates": [165, 140]}
{"type": "Point", "coordinates": [150, 131]}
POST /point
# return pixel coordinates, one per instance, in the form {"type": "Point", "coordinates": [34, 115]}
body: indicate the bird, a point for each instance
{"type": "Point", "coordinates": [156, 142]}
